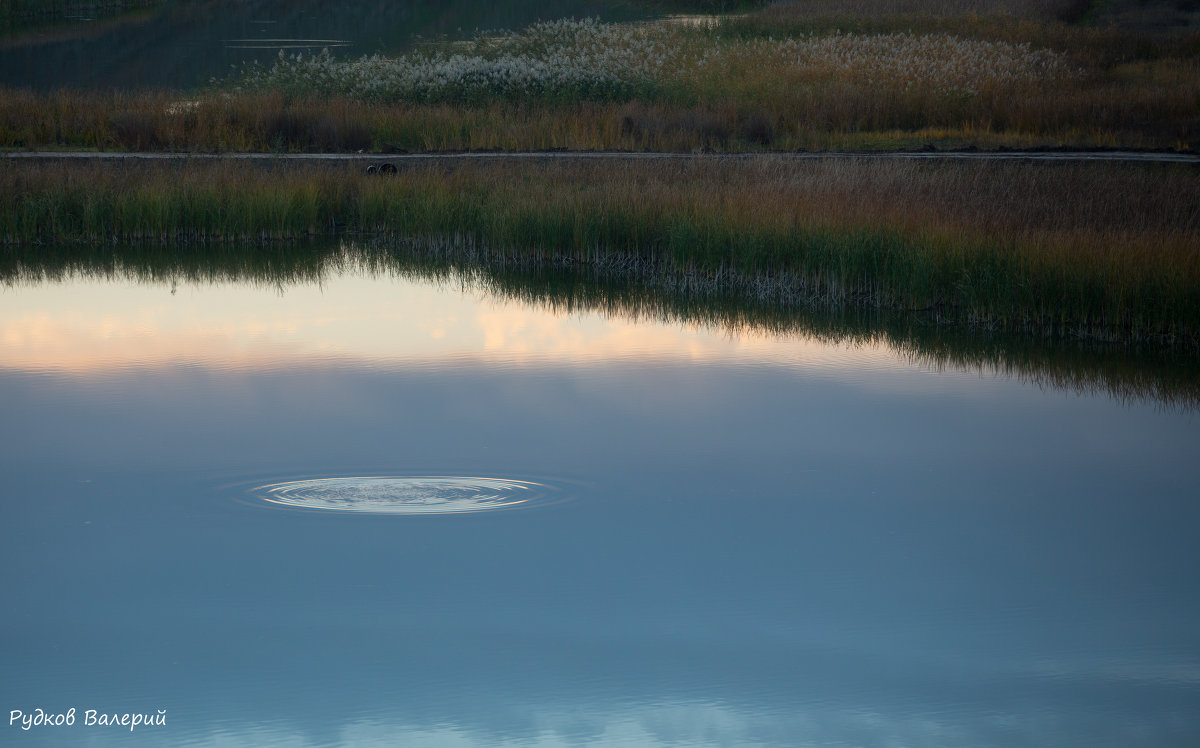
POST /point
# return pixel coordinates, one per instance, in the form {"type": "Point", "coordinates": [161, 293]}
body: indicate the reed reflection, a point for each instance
{"type": "Point", "coordinates": [386, 304]}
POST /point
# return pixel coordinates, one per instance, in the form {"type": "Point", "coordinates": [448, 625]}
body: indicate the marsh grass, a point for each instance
{"type": "Point", "coordinates": [1097, 251]}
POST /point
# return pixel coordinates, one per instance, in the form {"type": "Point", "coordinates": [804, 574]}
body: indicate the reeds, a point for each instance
{"type": "Point", "coordinates": [1096, 251]}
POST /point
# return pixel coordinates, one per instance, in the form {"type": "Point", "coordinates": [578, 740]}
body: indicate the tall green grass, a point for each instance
{"type": "Point", "coordinates": [1096, 251]}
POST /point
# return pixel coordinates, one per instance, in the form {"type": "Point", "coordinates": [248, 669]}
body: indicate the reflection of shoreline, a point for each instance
{"type": "Point", "coordinates": [757, 305]}
{"type": "Point", "coordinates": [622, 291]}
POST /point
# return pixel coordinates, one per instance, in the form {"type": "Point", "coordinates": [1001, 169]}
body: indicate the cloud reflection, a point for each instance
{"type": "Point", "coordinates": [82, 328]}
{"type": "Point", "coordinates": [680, 725]}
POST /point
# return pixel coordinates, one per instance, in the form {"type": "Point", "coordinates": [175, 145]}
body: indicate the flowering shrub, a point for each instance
{"type": "Point", "coordinates": [556, 60]}
{"type": "Point", "coordinates": [588, 60]}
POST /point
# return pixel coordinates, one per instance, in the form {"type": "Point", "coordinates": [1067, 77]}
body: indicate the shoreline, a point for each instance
{"type": "Point", "coordinates": [1103, 250]}
{"type": "Point", "coordinates": [1116, 155]}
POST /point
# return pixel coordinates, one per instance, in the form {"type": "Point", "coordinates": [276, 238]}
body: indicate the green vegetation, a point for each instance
{"type": "Point", "coordinates": [1095, 251]}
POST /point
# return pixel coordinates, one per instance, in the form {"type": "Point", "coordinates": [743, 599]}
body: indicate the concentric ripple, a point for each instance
{"type": "Point", "coordinates": [407, 494]}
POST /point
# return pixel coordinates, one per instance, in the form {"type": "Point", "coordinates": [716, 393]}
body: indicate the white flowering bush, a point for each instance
{"type": "Point", "coordinates": [556, 60]}
{"type": "Point", "coordinates": [589, 60]}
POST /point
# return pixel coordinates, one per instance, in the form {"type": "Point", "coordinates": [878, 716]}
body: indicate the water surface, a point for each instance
{"type": "Point", "coordinates": [762, 533]}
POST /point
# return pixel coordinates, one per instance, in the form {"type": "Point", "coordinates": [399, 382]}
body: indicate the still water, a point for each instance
{"type": "Point", "coordinates": [684, 533]}
{"type": "Point", "coordinates": [181, 44]}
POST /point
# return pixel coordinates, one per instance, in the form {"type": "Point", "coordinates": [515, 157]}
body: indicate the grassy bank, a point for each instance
{"type": "Point", "coordinates": [1104, 252]}
{"type": "Point", "coordinates": [803, 75]}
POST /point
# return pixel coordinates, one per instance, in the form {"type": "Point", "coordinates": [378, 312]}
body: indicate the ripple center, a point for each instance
{"type": "Point", "coordinates": [406, 494]}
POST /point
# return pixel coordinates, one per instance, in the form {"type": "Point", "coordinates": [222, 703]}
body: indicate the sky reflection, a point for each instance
{"type": "Point", "coordinates": [89, 327]}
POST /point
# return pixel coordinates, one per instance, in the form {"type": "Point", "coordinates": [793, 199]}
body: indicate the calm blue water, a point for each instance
{"type": "Point", "coordinates": [756, 540]}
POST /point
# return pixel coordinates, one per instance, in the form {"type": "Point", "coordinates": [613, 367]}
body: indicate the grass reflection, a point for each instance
{"type": "Point", "coordinates": [629, 288]}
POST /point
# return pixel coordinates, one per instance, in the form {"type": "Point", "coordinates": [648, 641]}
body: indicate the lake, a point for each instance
{"type": "Point", "coordinates": [330, 500]}
{"type": "Point", "coordinates": [180, 44]}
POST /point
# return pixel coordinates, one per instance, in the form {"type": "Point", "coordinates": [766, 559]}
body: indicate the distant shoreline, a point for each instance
{"type": "Point", "coordinates": [1044, 155]}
